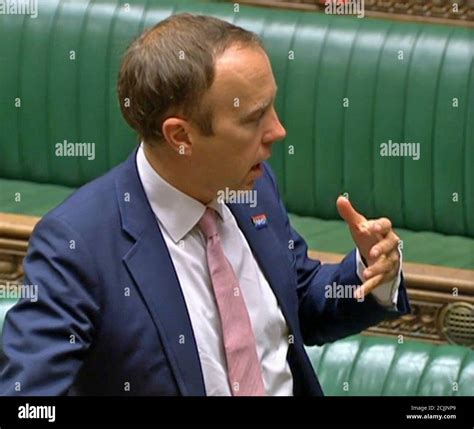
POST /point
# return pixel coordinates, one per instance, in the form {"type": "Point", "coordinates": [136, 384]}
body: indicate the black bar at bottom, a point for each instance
{"type": "Point", "coordinates": [432, 412]}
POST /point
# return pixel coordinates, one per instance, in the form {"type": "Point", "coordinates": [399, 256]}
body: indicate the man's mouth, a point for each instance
{"type": "Point", "coordinates": [257, 167]}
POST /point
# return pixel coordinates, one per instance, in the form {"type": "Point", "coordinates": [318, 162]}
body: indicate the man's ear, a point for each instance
{"type": "Point", "coordinates": [176, 134]}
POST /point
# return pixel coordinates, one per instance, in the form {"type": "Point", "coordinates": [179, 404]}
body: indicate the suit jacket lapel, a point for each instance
{"type": "Point", "coordinates": [270, 256]}
{"type": "Point", "coordinates": [150, 265]}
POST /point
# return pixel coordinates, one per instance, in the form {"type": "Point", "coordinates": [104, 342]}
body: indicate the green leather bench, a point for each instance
{"type": "Point", "coordinates": [344, 92]}
{"type": "Point", "coordinates": [377, 366]}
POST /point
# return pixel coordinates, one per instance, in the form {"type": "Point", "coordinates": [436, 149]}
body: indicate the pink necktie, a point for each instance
{"type": "Point", "coordinates": [243, 367]}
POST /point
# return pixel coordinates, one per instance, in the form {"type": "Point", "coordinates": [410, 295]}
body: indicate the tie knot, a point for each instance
{"type": "Point", "coordinates": [207, 224]}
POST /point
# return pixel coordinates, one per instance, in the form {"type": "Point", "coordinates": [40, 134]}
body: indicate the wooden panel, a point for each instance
{"type": "Point", "coordinates": [17, 226]}
{"type": "Point", "coordinates": [422, 276]}
{"type": "Point", "coordinates": [435, 12]}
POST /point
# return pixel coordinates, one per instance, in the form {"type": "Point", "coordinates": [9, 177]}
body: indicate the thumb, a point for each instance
{"type": "Point", "coordinates": [348, 213]}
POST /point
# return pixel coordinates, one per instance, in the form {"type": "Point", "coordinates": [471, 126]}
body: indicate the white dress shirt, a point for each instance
{"type": "Point", "coordinates": [177, 215]}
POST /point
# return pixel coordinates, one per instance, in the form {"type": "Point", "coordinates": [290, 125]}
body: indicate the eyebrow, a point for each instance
{"type": "Point", "coordinates": [261, 107]}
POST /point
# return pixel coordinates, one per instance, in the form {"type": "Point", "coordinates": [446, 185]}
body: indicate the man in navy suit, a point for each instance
{"type": "Point", "coordinates": [127, 301]}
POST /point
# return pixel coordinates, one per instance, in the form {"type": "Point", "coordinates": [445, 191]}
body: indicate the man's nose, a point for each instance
{"type": "Point", "coordinates": [276, 132]}
{"type": "Point", "coordinates": [280, 132]}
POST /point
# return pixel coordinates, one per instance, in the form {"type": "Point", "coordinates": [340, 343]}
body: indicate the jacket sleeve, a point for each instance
{"type": "Point", "coordinates": [45, 341]}
{"type": "Point", "coordinates": [324, 317]}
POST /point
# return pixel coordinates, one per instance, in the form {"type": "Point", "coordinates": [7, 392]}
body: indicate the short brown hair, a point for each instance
{"type": "Point", "coordinates": [168, 69]}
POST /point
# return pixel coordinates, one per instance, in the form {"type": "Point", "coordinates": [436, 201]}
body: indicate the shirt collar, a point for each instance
{"type": "Point", "coordinates": [177, 212]}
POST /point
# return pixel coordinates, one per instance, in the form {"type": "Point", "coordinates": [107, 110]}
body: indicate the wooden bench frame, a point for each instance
{"type": "Point", "coordinates": [442, 298]}
{"type": "Point", "coordinates": [410, 11]}
{"type": "Point", "coordinates": [442, 301]}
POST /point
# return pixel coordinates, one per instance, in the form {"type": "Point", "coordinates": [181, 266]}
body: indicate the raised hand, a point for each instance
{"type": "Point", "coordinates": [377, 244]}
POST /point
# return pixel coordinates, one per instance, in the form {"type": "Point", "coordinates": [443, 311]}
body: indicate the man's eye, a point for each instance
{"type": "Point", "coordinates": [259, 117]}
{"type": "Point", "coordinates": [256, 119]}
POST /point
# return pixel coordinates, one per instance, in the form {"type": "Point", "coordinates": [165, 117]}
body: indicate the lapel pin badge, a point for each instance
{"type": "Point", "coordinates": [260, 221]}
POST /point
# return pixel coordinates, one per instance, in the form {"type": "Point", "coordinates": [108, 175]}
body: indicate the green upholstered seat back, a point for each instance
{"type": "Point", "coordinates": [355, 84]}
{"type": "Point", "coordinates": [345, 86]}
{"type": "Point", "coordinates": [381, 366]}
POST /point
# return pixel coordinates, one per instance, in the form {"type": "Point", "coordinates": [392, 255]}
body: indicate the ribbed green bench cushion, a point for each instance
{"type": "Point", "coordinates": [420, 247]}
{"type": "Point", "coordinates": [381, 366]}
{"type": "Point", "coordinates": [321, 235]}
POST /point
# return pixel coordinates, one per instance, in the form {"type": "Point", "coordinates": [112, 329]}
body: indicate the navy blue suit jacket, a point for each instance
{"type": "Point", "coordinates": [111, 318]}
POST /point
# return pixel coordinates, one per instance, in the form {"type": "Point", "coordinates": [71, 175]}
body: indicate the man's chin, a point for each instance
{"type": "Point", "coordinates": [246, 185]}
{"type": "Point", "coordinates": [249, 186]}
{"type": "Point", "coordinates": [249, 183]}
